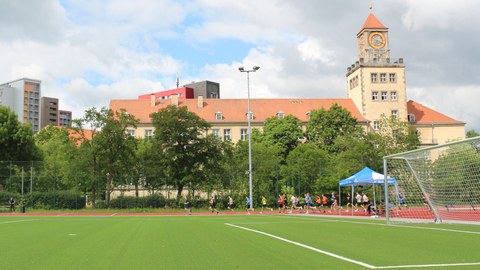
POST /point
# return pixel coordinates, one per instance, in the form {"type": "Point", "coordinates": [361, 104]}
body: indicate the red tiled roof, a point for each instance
{"type": "Point", "coordinates": [234, 110]}
{"type": "Point", "coordinates": [77, 137]}
{"type": "Point", "coordinates": [372, 23]}
{"type": "Point", "coordinates": [425, 115]}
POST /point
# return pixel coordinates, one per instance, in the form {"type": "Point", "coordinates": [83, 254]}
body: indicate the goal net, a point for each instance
{"type": "Point", "coordinates": [435, 184]}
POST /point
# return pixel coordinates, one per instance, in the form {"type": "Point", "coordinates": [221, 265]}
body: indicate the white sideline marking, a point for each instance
{"type": "Point", "coordinates": [426, 265]}
{"type": "Point", "coordinates": [381, 224]}
{"type": "Point", "coordinates": [307, 247]}
{"type": "Point", "coordinates": [16, 221]}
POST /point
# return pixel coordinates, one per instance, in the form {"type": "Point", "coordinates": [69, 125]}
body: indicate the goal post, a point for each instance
{"type": "Point", "coordinates": [435, 184]}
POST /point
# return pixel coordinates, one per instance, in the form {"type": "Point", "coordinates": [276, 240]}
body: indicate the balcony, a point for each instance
{"type": "Point", "coordinates": [375, 62]}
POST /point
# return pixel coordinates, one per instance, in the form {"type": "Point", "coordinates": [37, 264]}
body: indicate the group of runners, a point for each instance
{"type": "Point", "coordinates": [320, 203]}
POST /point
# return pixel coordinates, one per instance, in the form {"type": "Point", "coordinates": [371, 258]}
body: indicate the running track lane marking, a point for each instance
{"type": "Point", "coordinates": [307, 247]}
{"type": "Point", "coordinates": [369, 266]}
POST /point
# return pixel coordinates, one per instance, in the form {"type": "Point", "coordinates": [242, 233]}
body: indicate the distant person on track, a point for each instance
{"type": "Point", "coordinates": [264, 205]}
{"type": "Point", "coordinates": [230, 205]}
{"type": "Point", "coordinates": [324, 202]}
{"type": "Point", "coordinates": [334, 203]}
{"type": "Point", "coordinates": [349, 201]}
{"type": "Point", "coordinates": [188, 207]}
{"type": "Point", "coordinates": [308, 202]}
{"type": "Point", "coordinates": [213, 204]}
{"type": "Point", "coordinates": [365, 202]}
{"type": "Point", "coordinates": [359, 201]}
{"type": "Point", "coordinates": [248, 204]}
{"type": "Point", "coordinates": [281, 204]}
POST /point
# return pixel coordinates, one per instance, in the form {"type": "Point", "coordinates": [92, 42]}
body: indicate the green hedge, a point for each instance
{"type": "Point", "coordinates": [55, 200]}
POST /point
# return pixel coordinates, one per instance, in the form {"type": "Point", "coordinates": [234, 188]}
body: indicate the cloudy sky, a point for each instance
{"type": "Point", "coordinates": [88, 52]}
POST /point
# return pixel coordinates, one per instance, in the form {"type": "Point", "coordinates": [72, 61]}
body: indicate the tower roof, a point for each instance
{"type": "Point", "coordinates": [372, 23]}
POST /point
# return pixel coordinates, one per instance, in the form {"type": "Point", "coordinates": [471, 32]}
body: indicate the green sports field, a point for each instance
{"type": "Point", "coordinates": [232, 242]}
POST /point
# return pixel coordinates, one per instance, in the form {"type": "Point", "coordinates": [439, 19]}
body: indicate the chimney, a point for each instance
{"type": "Point", "coordinates": [200, 102]}
{"type": "Point", "coordinates": [174, 99]}
{"type": "Point", "coordinates": [152, 100]}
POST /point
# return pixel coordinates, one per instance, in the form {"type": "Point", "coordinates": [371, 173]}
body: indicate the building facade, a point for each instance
{"type": "Point", "coordinates": [23, 97]}
{"type": "Point", "coordinates": [64, 118]}
{"type": "Point", "coordinates": [49, 112]}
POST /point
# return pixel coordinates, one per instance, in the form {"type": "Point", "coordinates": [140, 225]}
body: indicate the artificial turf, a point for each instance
{"type": "Point", "coordinates": [208, 242]}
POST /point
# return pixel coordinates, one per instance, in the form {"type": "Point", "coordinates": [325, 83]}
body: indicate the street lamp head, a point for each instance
{"type": "Point", "coordinates": [255, 68]}
{"type": "Point", "coordinates": [241, 69]}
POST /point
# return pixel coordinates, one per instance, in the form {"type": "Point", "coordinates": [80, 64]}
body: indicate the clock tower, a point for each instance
{"type": "Point", "coordinates": [376, 82]}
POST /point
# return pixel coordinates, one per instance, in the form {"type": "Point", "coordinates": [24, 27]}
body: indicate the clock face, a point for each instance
{"type": "Point", "coordinates": [376, 40]}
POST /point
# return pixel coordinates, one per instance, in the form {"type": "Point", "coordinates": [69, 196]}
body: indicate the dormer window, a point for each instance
{"type": "Point", "coordinates": [280, 114]}
{"type": "Point", "coordinates": [218, 116]}
{"type": "Point", "coordinates": [411, 117]}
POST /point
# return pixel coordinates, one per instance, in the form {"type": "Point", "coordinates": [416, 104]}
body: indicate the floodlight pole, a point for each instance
{"type": "Point", "coordinates": [249, 116]}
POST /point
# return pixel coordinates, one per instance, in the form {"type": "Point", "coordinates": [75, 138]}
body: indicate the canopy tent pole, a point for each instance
{"type": "Point", "coordinates": [339, 200]}
{"type": "Point", "coordinates": [351, 197]}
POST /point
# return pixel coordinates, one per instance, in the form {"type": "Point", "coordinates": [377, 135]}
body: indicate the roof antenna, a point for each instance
{"type": "Point", "coordinates": [178, 80]}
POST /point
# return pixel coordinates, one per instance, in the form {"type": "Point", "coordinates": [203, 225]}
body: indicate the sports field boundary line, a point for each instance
{"type": "Point", "coordinates": [17, 221]}
{"type": "Point", "coordinates": [306, 246]}
{"type": "Point", "coordinates": [332, 219]}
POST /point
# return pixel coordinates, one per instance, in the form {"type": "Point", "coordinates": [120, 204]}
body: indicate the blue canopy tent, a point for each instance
{"type": "Point", "coordinates": [365, 177]}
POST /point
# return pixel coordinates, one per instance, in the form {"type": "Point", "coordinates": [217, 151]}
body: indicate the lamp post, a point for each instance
{"type": "Point", "coordinates": [249, 116]}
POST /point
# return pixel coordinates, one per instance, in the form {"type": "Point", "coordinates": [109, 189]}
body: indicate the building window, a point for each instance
{"type": "Point", "coordinates": [374, 77]}
{"type": "Point", "coordinates": [384, 95]}
{"type": "Point", "coordinates": [376, 125]}
{"type": "Point", "coordinates": [227, 135]}
{"type": "Point", "coordinates": [392, 77]}
{"type": "Point", "coordinates": [383, 77]}
{"type": "Point", "coordinates": [374, 95]}
{"type": "Point", "coordinates": [148, 133]}
{"type": "Point", "coordinates": [218, 116]}
{"type": "Point", "coordinates": [216, 133]}
{"type": "Point", "coordinates": [280, 114]}
{"type": "Point", "coordinates": [393, 95]}
{"type": "Point", "coordinates": [243, 134]}
{"type": "Point", "coordinates": [131, 132]}
{"type": "Point", "coordinates": [411, 117]}
{"type": "Point", "coordinates": [395, 114]}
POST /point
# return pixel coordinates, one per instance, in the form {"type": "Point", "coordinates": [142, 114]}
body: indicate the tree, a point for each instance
{"type": "Point", "coordinates": [306, 165]}
{"type": "Point", "coordinates": [325, 126]}
{"type": "Point", "coordinates": [283, 132]}
{"type": "Point", "coordinates": [395, 136]}
{"type": "Point", "coordinates": [116, 149]}
{"type": "Point", "coordinates": [89, 151]}
{"type": "Point", "coordinates": [185, 152]}
{"type": "Point", "coordinates": [58, 152]}
{"type": "Point", "coordinates": [16, 139]}
{"type": "Point", "coordinates": [472, 133]}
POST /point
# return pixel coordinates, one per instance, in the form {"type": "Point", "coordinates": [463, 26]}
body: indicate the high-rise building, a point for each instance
{"type": "Point", "coordinates": [49, 112]}
{"type": "Point", "coordinates": [64, 118]}
{"type": "Point", "coordinates": [23, 97]}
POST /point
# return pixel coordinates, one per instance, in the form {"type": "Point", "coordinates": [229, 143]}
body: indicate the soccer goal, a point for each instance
{"type": "Point", "coordinates": [435, 184]}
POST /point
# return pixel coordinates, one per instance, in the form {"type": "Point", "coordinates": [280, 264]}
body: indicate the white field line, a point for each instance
{"type": "Point", "coordinates": [400, 226]}
{"type": "Point", "coordinates": [307, 247]}
{"type": "Point", "coordinates": [426, 265]}
{"type": "Point", "coordinates": [16, 221]}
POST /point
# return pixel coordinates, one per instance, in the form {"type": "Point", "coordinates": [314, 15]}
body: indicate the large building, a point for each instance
{"type": "Point", "coordinates": [376, 87]}
{"type": "Point", "coordinates": [23, 97]}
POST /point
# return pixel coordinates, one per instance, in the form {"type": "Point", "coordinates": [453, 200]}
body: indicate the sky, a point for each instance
{"type": "Point", "coordinates": [89, 52]}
